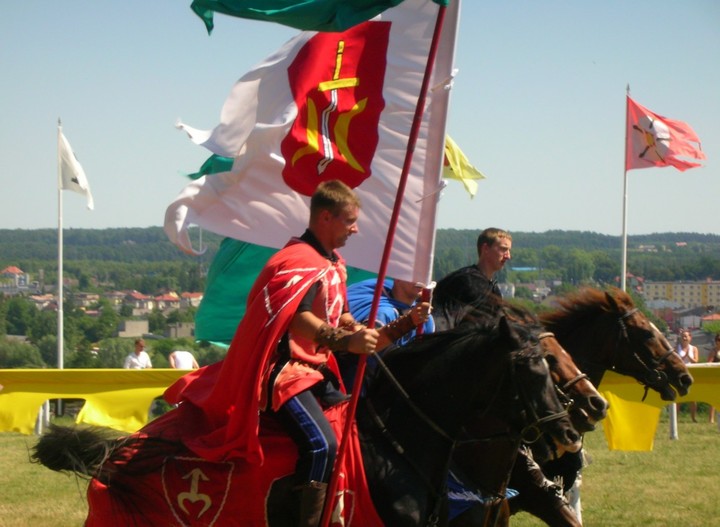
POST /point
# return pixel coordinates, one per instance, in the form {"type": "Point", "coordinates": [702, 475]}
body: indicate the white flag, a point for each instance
{"type": "Point", "coordinates": [332, 106]}
{"type": "Point", "coordinates": [72, 175]}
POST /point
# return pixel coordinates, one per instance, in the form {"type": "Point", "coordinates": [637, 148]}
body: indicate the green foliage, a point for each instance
{"type": "Point", "coordinates": [15, 354]}
{"type": "Point", "coordinates": [19, 317]}
{"type": "Point", "coordinates": [157, 322]}
{"type": "Point", "coordinates": [112, 352]}
{"type": "Point", "coordinates": [711, 327]}
{"type": "Point", "coordinates": [47, 346]}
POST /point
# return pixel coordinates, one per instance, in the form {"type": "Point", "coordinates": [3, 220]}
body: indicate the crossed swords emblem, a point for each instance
{"type": "Point", "coordinates": [318, 128]}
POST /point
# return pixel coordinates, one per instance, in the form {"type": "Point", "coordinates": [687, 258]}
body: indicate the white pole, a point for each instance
{"type": "Point", "coordinates": [60, 258]}
{"type": "Point", "coordinates": [623, 263]}
{"type": "Point", "coordinates": [672, 417]}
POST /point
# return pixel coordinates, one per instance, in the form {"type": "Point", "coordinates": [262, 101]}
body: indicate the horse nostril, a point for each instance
{"type": "Point", "coordinates": [599, 404]}
{"type": "Point", "coordinates": [686, 380]}
{"type": "Point", "coordinates": [573, 436]}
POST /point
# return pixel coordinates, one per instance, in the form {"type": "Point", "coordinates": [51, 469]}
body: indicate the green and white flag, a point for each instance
{"type": "Point", "coordinates": [315, 15]}
{"type": "Point", "coordinates": [332, 106]}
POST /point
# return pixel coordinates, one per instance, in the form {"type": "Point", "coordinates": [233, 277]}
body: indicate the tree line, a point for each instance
{"type": "Point", "coordinates": [144, 259]}
{"type": "Point", "coordinates": [99, 260]}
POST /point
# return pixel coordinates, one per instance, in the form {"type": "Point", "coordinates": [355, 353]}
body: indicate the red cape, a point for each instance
{"type": "Point", "coordinates": [227, 392]}
{"type": "Point", "coordinates": [183, 489]}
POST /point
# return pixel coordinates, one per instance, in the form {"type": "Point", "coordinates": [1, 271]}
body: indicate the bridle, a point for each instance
{"type": "Point", "coordinates": [562, 391]}
{"type": "Point", "coordinates": [533, 432]}
{"type": "Point", "coordinates": [650, 376]}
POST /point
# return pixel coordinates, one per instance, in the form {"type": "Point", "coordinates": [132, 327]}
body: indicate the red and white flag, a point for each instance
{"type": "Point", "coordinates": [332, 106]}
{"type": "Point", "coordinates": [656, 141]}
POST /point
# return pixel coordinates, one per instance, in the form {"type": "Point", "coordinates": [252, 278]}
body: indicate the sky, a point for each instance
{"type": "Point", "coordinates": [538, 105]}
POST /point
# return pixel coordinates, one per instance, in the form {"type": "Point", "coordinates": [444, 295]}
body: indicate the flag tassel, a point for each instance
{"type": "Point", "coordinates": [412, 140]}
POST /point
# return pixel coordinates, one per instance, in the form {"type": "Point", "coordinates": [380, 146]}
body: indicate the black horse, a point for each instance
{"type": "Point", "coordinates": [408, 425]}
{"type": "Point", "coordinates": [485, 460]}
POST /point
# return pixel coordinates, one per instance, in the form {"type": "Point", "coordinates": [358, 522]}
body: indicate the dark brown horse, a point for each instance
{"type": "Point", "coordinates": [407, 426]}
{"type": "Point", "coordinates": [606, 331]}
{"type": "Point", "coordinates": [601, 331]}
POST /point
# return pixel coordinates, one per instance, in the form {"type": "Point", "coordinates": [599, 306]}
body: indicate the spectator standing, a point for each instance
{"type": "Point", "coordinates": [689, 355]}
{"type": "Point", "coordinates": [139, 359]}
{"type": "Point", "coordinates": [182, 360]}
{"type": "Point", "coordinates": [474, 286]}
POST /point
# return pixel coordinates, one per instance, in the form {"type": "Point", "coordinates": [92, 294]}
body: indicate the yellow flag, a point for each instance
{"type": "Point", "coordinates": [457, 166]}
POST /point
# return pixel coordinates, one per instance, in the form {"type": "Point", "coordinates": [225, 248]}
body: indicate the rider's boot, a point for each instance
{"type": "Point", "coordinates": [312, 501]}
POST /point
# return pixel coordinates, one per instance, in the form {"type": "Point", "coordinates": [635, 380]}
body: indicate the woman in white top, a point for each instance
{"type": "Point", "coordinates": [689, 354]}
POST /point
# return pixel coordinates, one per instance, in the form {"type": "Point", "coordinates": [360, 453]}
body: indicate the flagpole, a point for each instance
{"type": "Point", "coordinates": [60, 329]}
{"type": "Point", "coordinates": [623, 263]}
{"type": "Point", "coordinates": [357, 386]}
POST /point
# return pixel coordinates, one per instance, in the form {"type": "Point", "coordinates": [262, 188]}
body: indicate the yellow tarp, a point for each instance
{"type": "Point", "coordinates": [631, 424]}
{"type": "Point", "coordinates": [115, 398]}
{"type": "Point", "coordinates": [121, 399]}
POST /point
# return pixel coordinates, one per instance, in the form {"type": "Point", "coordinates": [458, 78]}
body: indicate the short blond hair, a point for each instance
{"type": "Point", "coordinates": [489, 236]}
{"type": "Point", "coordinates": [333, 196]}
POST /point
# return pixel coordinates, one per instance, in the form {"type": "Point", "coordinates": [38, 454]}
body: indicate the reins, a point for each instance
{"type": "Point", "coordinates": [653, 376]}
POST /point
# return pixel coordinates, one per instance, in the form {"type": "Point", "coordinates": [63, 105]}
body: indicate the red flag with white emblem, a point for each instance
{"type": "Point", "coordinates": [656, 141]}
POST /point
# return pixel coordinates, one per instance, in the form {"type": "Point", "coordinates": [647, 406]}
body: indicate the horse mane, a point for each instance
{"type": "Point", "coordinates": [585, 306]}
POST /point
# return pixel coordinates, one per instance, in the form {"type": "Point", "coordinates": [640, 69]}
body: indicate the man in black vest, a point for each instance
{"type": "Point", "coordinates": [472, 287]}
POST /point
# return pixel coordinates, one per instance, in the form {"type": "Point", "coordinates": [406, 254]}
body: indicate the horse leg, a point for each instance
{"type": "Point", "coordinates": [539, 496]}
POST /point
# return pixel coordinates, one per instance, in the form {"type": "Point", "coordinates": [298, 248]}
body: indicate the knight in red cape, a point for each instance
{"type": "Point", "coordinates": [280, 360]}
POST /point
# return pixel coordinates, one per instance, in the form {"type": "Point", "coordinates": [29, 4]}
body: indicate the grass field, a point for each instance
{"type": "Point", "coordinates": [675, 485]}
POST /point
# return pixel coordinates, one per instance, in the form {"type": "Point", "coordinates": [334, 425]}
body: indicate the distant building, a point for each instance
{"type": "Point", "coordinates": [86, 299]}
{"type": "Point", "coordinates": [13, 280]}
{"type": "Point", "coordinates": [44, 302]}
{"type": "Point", "coordinates": [190, 299]}
{"type": "Point", "coordinates": [167, 302]}
{"type": "Point", "coordinates": [685, 294]}
{"type": "Point", "coordinates": [133, 328]}
{"type": "Point", "coordinates": [180, 330]}
{"type": "Point", "coordinates": [141, 304]}
{"type": "Point", "coordinates": [116, 298]}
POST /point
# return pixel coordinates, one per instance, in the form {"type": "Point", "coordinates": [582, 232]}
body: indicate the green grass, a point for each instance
{"type": "Point", "coordinates": [675, 484]}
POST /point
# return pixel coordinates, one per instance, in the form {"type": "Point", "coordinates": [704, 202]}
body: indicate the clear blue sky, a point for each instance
{"type": "Point", "coordinates": [538, 106]}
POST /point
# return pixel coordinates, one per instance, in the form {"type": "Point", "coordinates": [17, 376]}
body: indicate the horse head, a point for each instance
{"type": "Point", "coordinates": [543, 405]}
{"type": "Point", "coordinates": [585, 404]}
{"type": "Point", "coordinates": [644, 353]}
{"type": "Point", "coordinates": [606, 331]}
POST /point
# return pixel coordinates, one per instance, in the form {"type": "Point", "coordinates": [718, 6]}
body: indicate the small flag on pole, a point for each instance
{"type": "Point", "coordinates": [656, 141]}
{"type": "Point", "coordinates": [72, 175]}
{"type": "Point", "coordinates": [457, 166]}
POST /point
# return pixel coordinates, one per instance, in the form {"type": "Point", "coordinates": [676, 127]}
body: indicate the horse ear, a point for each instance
{"type": "Point", "coordinates": [611, 300]}
{"type": "Point", "coordinates": [504, 328]}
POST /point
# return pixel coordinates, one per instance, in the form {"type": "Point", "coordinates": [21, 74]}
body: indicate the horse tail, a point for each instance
{"type": "Point", "coordinates": [82, 450]}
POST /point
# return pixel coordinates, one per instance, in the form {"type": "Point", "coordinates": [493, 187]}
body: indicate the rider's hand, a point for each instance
{"type": "Point", "coordinates": [420, 313]}
{"type": "Point", "coordinates": [363, 342]}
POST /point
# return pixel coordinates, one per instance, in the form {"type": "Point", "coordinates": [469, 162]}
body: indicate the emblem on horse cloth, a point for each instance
{"type": "Point", "coordinates": [196, 490]}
